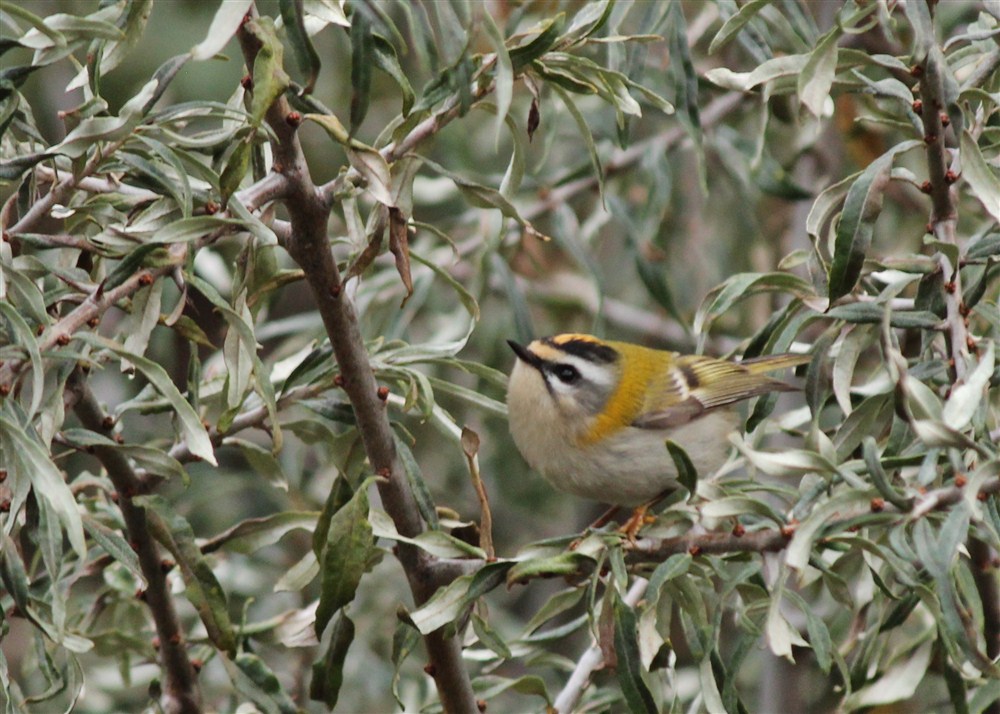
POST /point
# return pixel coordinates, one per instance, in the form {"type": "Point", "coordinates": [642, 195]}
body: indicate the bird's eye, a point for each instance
{"type": "Point", "coordinates": [566, 373]}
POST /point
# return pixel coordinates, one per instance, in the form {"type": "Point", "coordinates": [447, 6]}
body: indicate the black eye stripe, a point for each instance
{"type": "Point", "coordinates": [565, 373]}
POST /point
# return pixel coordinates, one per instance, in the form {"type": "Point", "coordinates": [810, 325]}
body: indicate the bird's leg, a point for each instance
{"type": "Point", "coordinates": [639, 517]}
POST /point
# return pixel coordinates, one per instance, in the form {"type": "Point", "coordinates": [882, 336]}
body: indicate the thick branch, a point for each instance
{"type": "Point", "coordinates": [310, 248]}
{"type": "Point", "coordinates": [181, 694]}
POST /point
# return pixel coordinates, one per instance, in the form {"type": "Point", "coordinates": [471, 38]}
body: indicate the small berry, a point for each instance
{"type": "Point", "coordinates": [93, 322]}
{"type": "Point", "coordinates": [950, 176]}
{"type": "Point", "coordinates": [335, 290]}
{"type": "Point", "coordinates": [930, 139]}
{"type": "Point", "coordinates": [383, 393]}
{"type": "Point", "coordinates": [211, 208]}
{"type": "Point", "coordinates": [197, 664]}
{"type": "Point", "coordinates": [145, 280]}
{"type": "Point", "coordinates": [945, 119]}
{"type": "Point", "coordinates": [916, 71]}
{"type": "Point", "coordinates": [878, 505]}
{"type": "Point", "coordinates": [247, 82]}
{"type": "Point", "coordinates": [918, 106]}
{"type": "Point", "coordinates": [949, 287]}
{"type": "Point", "coordinates": [481, 705]}
{"type": "Point", "coordinates": [108, 422]}
{"type": "Point", "coordinates": [62, 340]}
{"type": "Point", "coordinates": [339, 381]}
{"type": "Point", "coordinates": [694, 550]}
{"type": "Point", "coordinates": [739, 530]}
{"type": "Point", "coordinates": [293, 119]}
{"type": "Point", "coordinates": [4, 390]}
{"type": "Point", "coordinates": [156, 643]}
{"type": "Point", "coordinates": [926, 187]}
{"type": "Point", "coordinates": [960, 480]}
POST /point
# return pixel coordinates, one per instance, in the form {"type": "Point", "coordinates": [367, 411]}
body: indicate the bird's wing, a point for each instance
{"type": "Point", "coordinates": [694, 384]}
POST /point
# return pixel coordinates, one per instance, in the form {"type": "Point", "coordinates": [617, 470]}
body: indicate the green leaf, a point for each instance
{"type": "Point", "coordinates": [302, 46]}
{"type": "Point", "coordinates": [202, 588]}
{"type": "Point", "coordinates": [548, 32]}
{"type": "Point", "coordinates": [236, 168]}
{"type": "Point", "coordinates": [550, 566]}
{"type": "Point", "coordinates": [872, 313]}
{"type": "Point", "coordinates": [29, 461]}
{"type": "Point", "coordinates": [328, 673]}
{"type": "Point", "coordinates": [687, 474]}
{"type": "Point", "coordinates": [266, 689]}
{"type": "Point", "coordinates": [362, 51]}
{"type": "Point", "coordinates": [269, 78]}
{"type": "Point", "coordinates": [638, 698]}
{"type": "Point", "coordinates": [345, 556]}
{"type": "Point", "coordinates": [857, 224]}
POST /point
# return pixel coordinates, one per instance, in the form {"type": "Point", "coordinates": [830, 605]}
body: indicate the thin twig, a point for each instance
{"type": "Point", "coordinates": [181, 694]}
{"type": "Point", "coordinates": [591, 660]}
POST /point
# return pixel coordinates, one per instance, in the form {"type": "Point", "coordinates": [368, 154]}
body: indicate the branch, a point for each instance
{"type": "Point", "coordinates": [100, 300]}
{"type": "Point", "coordinates": [984, 573]}
{"type": "Point", "coordinates": [180, 686]}
{"type": "Point", "coordinates": [309, 246]}
{"type": "Point", "coordinates": [944, 215]}
{"type": "Point", "coordinates": [248, 419]}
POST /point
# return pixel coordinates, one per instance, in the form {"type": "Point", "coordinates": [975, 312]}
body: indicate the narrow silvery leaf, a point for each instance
{"type": "Point", "coordinates": [981, 179]}
{"type": "Point", "coordinates": [224, 25]}
{"type": "Point", "coordinates": [31, 462]}
{"type": "Point", "coordinates": [144, 317]}
{"type": "Point", "coordinates": [192, 429]}
{"type": "Point", "coordinates": [817, 76]}
{"type": "Point", "coordinates": [966, 398]}
{"type": "Point", "coordinates": [504, 73]}
{"type": "Point", "coordinates": [444, 607]}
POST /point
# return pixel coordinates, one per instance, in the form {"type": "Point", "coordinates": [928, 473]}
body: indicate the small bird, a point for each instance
{"type": "Point", "coordinates": [592, 416]}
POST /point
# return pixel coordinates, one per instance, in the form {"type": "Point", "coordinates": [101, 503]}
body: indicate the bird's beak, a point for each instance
{"type": "Point", "coordinates": [525, 355]}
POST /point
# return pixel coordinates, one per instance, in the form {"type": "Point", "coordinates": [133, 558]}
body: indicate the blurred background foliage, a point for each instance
{"type": "Point", "coordinates": [662, 174]}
